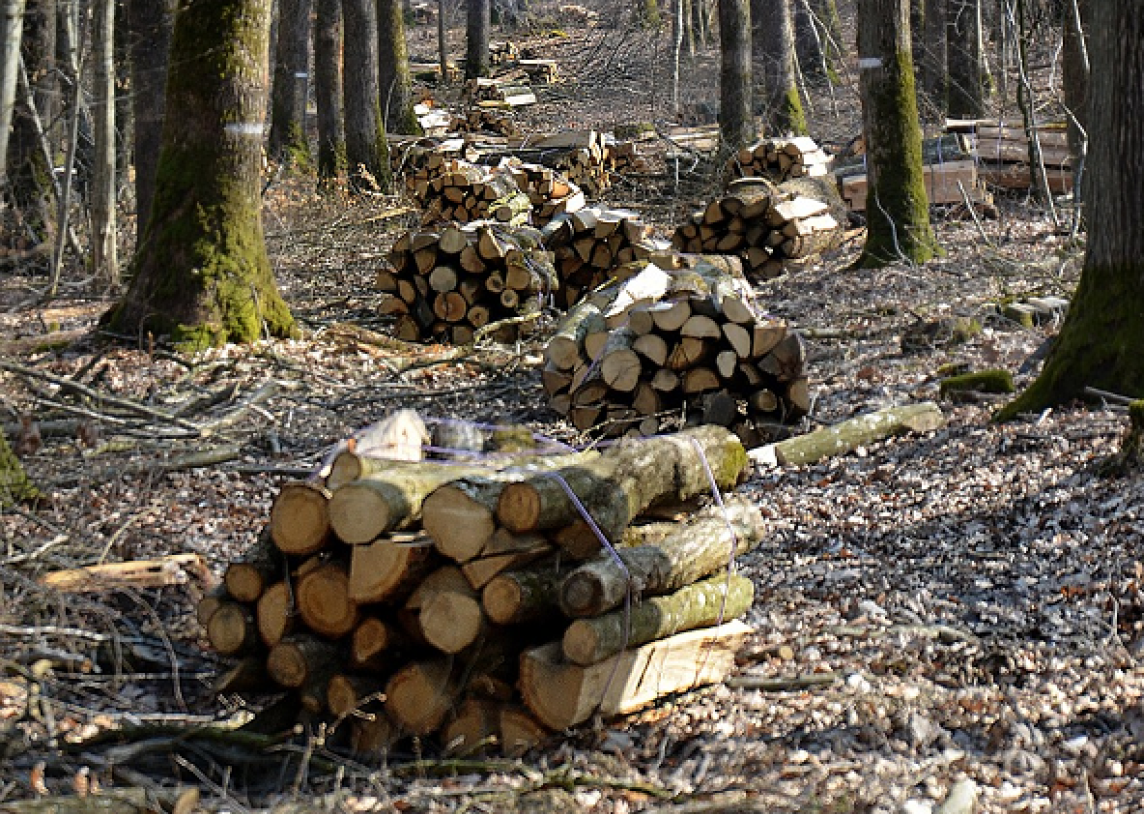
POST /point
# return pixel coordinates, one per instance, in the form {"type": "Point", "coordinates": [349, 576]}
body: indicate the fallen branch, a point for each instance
{"type": "Point", "coordinates": [801, 682]}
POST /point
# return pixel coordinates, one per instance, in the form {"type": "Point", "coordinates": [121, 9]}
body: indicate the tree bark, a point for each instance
{"type": "Point", "coordinates": [328, 89]}
{"type": "Point", "coordinates": [1098, 345]}
{"type": "Point", "coordinates": [933, 58]}
{"type": "Point", "coordinates": [736, 124]}
{"type": "Point", "coordinates": [287, 141]}
{"type": "Point", "coordinates": [149, 25]}
{"type": "Point", "coordinates": [367, 151]}
{"type": "Point", "coordinates": [477, 39]}
{"type": "Point", "coordinates": [29, 175]}
{"type": "Point", "coordinates": [202, 275]}
{"type": "Point", "coordinates": [897, 209]}
{"type": "Point", "coordinates": [1075, 79]}
{"type": "Point", "coordinates": [808, 45]}
{"type": "Point", "coordinates": [772, 44]}
{"type": "Point", "coordinates": [10, 36]}
{"type": "Point", "coordinates": [967, 90]}
{"type": "Point", "coordinates": [101, 195]}
{"type": "Point", "coordinates": [394, 81]}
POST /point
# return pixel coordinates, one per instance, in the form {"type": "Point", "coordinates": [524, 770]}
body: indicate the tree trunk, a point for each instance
{"type": "Point", "coordinates": [808, 44]}
{"type": "Point", "coordinates": [933, 58]}
{"type": "Point", "coordinates": [13, 25]}
{"type": "Point", "coordinates": [477, 39]}
{"type": "Point", "coordinates": [898, 211]}
{"type": "Point", "coordinates": [967, 95]}
{"type": "Point", "coordinates": [736, 124]}
{"type": "Point", "coordinates": [1099, 343]}
{"type": "Point", "coordinates": [367, 151]}
{"type": "Point", "coordinates": [287, 141]}
{"type": "Point", "coordinates": [772, 44]}
{"type": "Point", "coordinates": [393, 77]}
{"type": "Point", "coordinates": [1075, 80]}
{"type": "Point", "coordinates": [202, 274]}
{"type": "Point", "coordinates": [149, 31]}
{"type": "Point", "coordinates": [328, 89]}
{"type": "Point", "coordinates": [101, 196]}
{"type": "Point", "coordinates": [29, 175]}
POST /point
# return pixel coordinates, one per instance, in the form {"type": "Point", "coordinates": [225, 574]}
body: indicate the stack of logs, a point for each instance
{"type": "Point", "coordinates": [473, 603]}
{"type": "Point", "coordinates": [624, 159]}
{"type": "Point", "coordinates": [482, 120]}
{"type": "Point", "coordinates": [680, 337]}
{"type": "Point", "coordinates": [485, 92]}
{"type": "Point", "coordinates": [779, 160]}
{"type": "Point", "coordinates": [589, 245]}
{"type": "Point", "coordinates": [501, 53]}
{"type": "Point", "coordinates": [1002, 149]}
{"type": "Point", "coordinates": [465, 192]}
{"type": "Point", "coordinates": [447, 283]}
{"type": "Point", "coordinates": [582, 155]}
{"type": "Point", "coordinates": [550, 193]}
{"type": "Point", "coordinates": [762, 224]}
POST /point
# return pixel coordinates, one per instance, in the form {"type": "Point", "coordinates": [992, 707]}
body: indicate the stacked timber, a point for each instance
{"type": "Point", "coordinates": [448, 282]}
{"type": "Point", "coordinates": [540, 71]}
{"type": "Point", "coordinates": [1002, 149]}
{"type": "Point", "coordinates": [779, 160]}
{"type": "Point", "coordinates": [680, 338]}
{"type": "Point", "coordinates": [472, 603]}
{"type": "Point", "coordinates": [465, 192]}
{"type": "Point", "coordinates": [581, 155]}
{"type": "Point", "coordinates": [484, 120]}
{"type": "Point", "coordinates": [549, 192]}
{"type": "Point", "coordinates": [421, 160]}
{"type": "Point", "coordinates": [486, 92]}
{"type": "Point", "coordinates": [590, 245]}
{"type": "Point", "coordinates": [763, 225]}
{"type": "Point", "coordinates": [502, 53]}
{"type": "Point", "coordinates": [625, 159]}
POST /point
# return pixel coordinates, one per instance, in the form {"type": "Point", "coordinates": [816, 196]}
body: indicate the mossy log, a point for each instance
{"type": "Point", "coordinates": [981, 381]}
{"type": "Point", "coordinates": [709, 602]}
{"type": "Point", "coordinates": [848, 435]}
{"type": "Point", "coordinates": [562, 694]}
{"type": "Point", "coordinates": [15, 486]}
{"type": "Point", "coordinates": [699, 547]}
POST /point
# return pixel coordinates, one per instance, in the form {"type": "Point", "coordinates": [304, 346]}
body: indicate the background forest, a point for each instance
{"type": "Point", "coordinates": [234, 240]}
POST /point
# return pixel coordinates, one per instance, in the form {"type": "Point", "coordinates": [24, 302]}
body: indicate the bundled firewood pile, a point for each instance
{"type": "Point", "coordinates": [484, 120]}
{"type": "Point", "coordinates": [487, 92]}
{"type": "Point", "coordinates": [1002, 150]}
{"type": "Point", "coordinates": [762, 224]}
{"type": "Point", "coordinates": [624, 159]}
{"type": "Point", "coordinates": [589, 246]}
{"type": "Point", "coordinates": [550, 193]}
{"type": "Point", "coordinates": [464, 192]}
{"type": "Point", "coordinates": [473, 603]}
{"type": "Point", "coordinates": [447, 283]}
{"type": "Point", "coordinates": [779, 160]}
{"type": "Point", "coordinates": [681, 337]}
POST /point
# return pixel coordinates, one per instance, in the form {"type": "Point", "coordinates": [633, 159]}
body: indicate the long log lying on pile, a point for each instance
{"type": "Point", "coordinates": [448, 283]}
{"type": "Point", "coordinates": [589, 245]}
{"type": "Point", "coordinates": [670, 339]}
{"type": "Point", "coordinates": [418, 632]}
{"type": "Point", "coordinates": [764, 225]}
{"type": "Point", "coordinates": [779, 160]}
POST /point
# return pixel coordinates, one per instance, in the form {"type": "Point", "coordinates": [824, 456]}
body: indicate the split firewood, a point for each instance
{"type": "Point", "coordinates": [712, 601]}
{"type": "Point", "coordinates": [779, 159]}
{"type": "Point", "coordinates": [700, 546]}
{"type": "Point", "coordinates": [562, 694]}
{"type": "Point", "coordinates": [848, 435]}
{"type": "Point", "coordinates": [590, 245]}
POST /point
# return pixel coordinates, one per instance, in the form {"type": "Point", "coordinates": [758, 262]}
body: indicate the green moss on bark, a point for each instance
{"type": "Point", "coordinates": [15, 486]}
{"type": "Point", "coordinates": [981, 381]}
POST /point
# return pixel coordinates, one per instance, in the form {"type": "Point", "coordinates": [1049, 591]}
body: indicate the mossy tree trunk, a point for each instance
{"type": "Point", "coordinates": [201, 274]}
{"type": "Point", "coordinates": [1100, 341]}
{"type": "Point", "coordinates": [287, 140]}
{"type": "Point", "coordinates": [393, 69]}
{"type": "Point", "coordinates": [149, 38]}
{"type": "Point", "coordinates": [328, 89]}
{"type": "Point", "coordinates": [477, 38]}
{"type": "Point", "coordinates": [736, 123]}
{"type": "Point", "coordinates": [772, 45]}
{"type": "Point", "coordinates": [367, 151]}
{"type": "Point", "coordinates": [965, 60]}
{"type": "Point", "coordinates": [897, 208]}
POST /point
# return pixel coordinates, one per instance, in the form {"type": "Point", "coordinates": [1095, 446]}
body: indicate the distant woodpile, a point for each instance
{"type": "Point", "coordinates": [474, 603]}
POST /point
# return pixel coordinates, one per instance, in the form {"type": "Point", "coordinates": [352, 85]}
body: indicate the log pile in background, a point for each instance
{"type": "Point", "coordinates": [624, 159]}
{"type": "Point", "coordinates": [779, 160]}
{"type": "Point", "coordinates": [540, 71]}
{"type": "Point", "coordinates": [762, 224]}
{"type": "Point", "coordinates": [501, 53]}
{"type": "Point", "coordinates": [1002, 149]}
{"type": "Point", "coordinates": [469, 602]}
{"type": "Point", "coordinates": [581, 155]}
{"type": "Point", "coordinates": [449, 282]}
{"type": "Point", "coordinates": [589, 245]}
{"type": "Point", "coordinates": [484, 120]}
{"type": "Point", "coordinates": [486, 92]}
{"type": "Point", "coordinates": [550, 193]}
{"type": "Point", "coordinates": [681, 337]}
{"type": "Point", "coordinates": [464, 192]}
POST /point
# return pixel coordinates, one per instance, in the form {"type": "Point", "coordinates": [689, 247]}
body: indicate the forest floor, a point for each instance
{"type": "Point", "coordinates": [967, 603]}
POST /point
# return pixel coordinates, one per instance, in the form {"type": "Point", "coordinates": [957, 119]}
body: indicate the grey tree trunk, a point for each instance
{"type": "Point", "coordinates": [394, 82]}
{"type": "Point", "coordinates": [933, 58]}
{"type": "Point", "coordinates": [287, 140]}
{"type": "Point", "coordinates": [367, 152]}
{"type": "Point", "coordinates": [808, 44]}
{"type": "Point", "coordinates": [105, 262]}
{"type": "Point", "coordinates": [897, 208]}
{"type": "Point", "coordinates": [1098, 345]}
{"type": "Point", "coordinates": [477, 39]}
{"type": "Point", "coordinates": [1075, 80]}
{"type": "Point", "coordinates": [772, 46]}
{"type": "Point", "coordinates": [13, 25]}
{"type": "Point", "coordinates": [149, 39]}
{"type": "Point", "coordinates": [967, 88]}
{"type": "Point", "coordinates": [29, 175]}
{"type": "Point", "coordinates": [328, 89]}
{"type": "Point", "coordinates": [202, 275]}
{"type": "Point", "coordinates": [736, 123]}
